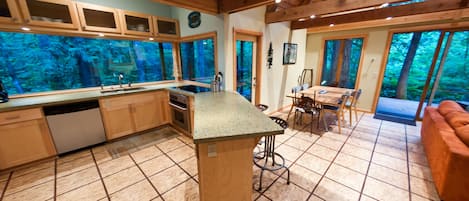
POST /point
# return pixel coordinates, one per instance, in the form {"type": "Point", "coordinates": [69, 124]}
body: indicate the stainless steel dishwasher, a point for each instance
{"type": "Point", "coordinates": [75, 125]}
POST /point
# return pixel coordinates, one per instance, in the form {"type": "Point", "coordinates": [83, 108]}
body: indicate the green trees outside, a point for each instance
{"type": "Point", "coordinates": [410, 59]}
{"type": "Point", "coordinates": [198, 60]}
{"type": "Point", "coordinates": [341, 62]}
{"type": "Point", "coordinates": [244, 56]}
{"type": "Point", "coordinates": [39, 63]}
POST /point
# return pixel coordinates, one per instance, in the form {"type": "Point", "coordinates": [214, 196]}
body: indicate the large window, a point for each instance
{"type": "Point", "coordinates": [341, 61]}
{"type": "Point", "coordinates": [198, 60]}
{"type": "Point", "coordinates": [39, 63]}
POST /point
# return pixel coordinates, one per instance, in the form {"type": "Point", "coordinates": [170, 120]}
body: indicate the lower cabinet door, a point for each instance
{"type": "Point", "coordinates": [24, 142]}
{"type": "Point", "coordinates": [145, 112]}
{"type": "Point", "coordinates": [116, 118]}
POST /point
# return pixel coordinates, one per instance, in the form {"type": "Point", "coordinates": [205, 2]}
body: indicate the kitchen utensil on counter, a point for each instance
{"type": "Point", "coordinates": [3, 93]}
{"type": "Point", "coordinates": [216, 85]}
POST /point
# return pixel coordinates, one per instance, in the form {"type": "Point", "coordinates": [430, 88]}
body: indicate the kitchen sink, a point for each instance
{"type": "Point", "coordinates": [114, 90]}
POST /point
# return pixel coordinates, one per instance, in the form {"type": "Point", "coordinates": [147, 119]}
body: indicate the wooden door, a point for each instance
{"type": "Point", "coordinates": [50, 13]}
{"type": "Point", "coordinates": [247, 53]}
{"type": "Point", "coordinates": [117, 117]}
{"type": "Point", "coordinates": [24, 137]}
{"type": "Point", "coordinates": [163, 107]}
{"type": "Point", "coordinates": [98, 18]}
{"type": "Point", "coordinates": [11, 12]}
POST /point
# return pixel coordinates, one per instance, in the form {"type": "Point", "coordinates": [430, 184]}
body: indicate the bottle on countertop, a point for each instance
{"type": "Point", "coordinates": [3, 93]}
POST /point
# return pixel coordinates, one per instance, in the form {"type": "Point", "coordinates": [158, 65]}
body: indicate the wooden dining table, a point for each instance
{"type": "Point", "coordinates": [324, 95]}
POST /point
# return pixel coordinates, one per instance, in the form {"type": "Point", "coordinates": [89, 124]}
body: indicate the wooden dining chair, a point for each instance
{"type": "Point", "coordinates": [352, 104]}
{"type": "Point", "coordinates": [337, 109]}
{"type": "Point", "coordinates": [307, 105]}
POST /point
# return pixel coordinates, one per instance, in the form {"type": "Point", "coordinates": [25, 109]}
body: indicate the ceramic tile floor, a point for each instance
{"type": "Point", "coordinates": [372, 160]}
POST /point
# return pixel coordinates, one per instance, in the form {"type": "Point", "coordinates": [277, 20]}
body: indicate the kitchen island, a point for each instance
{"type": "Point", "coordinates": [226, 129]}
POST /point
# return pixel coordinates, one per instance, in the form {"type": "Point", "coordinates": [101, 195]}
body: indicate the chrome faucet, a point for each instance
{"type": "Point", "coordinates": [120, 77]}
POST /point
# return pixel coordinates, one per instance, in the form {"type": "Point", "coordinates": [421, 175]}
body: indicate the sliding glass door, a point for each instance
{"type": "Point", "coordinates": [423, 68]}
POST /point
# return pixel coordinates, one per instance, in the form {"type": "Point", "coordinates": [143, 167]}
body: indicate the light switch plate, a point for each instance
{"type": "Point", "coordinates": [212, 150]}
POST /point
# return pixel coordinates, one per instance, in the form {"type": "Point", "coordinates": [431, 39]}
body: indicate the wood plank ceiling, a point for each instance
{"type": "Point", "coordinates": [320, 13]}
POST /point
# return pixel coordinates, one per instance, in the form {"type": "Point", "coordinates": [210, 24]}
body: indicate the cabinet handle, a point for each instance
{"type": "Point", "coordinates": [14, 19]}
{"type": "Point", "coordinates": [12, 117]}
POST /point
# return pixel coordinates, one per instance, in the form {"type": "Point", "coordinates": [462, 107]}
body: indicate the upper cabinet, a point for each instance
{"type": "Point", "coordinates": [98, 18]}
{"type": "Point", "coordinates": [136, 23]}
{"type": "Point", "coordinates": [9, 12]}
{"type": "Point", "coordinates": [50, 13]}
{"type": "Point", "coordinates": [166, 26]}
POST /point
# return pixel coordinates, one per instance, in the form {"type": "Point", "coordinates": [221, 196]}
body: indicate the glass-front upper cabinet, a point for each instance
{"type": "Point", "coordinates": [166, 26]}
{"type": "Point", "coordinates": [98, 18]}
{"type": "Point", "coordinates": [136, 23]}
{"type": "Point", "coordinates": [50, 13]}
{"type": "Point", "coordinates": [9, 12]}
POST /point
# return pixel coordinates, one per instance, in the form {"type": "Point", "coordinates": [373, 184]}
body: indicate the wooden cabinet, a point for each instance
{"type": "Point", "coordinates": [9, 12]}
{"type": "Point", "coordinates": [50, 13]}
{"type": "Point", "coordinates": [128, 114]}
{"type": "Point", "coordinates": [24, 137]}
{"type": "Point", "coordinates": [98, 18]}
{"type": "Point", "coordinates": [166, 27]}
{"type": "Point", "coordinates": [136, 23]}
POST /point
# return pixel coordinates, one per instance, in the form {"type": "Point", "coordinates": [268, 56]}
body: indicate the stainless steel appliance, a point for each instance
{"type": "Point", "coordinates": [180, 111]}
{"type": "Point", "coordinates": [75, 125]}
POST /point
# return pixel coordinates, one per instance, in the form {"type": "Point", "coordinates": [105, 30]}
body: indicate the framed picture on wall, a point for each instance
{"type": "Point", "coordinates": [289, 53]}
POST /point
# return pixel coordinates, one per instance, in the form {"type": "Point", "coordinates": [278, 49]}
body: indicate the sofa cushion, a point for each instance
{"type": "Point", "coordinates": [457, 119]}
{"type": "Point", "coordinates": [463, 133]}
{"type": "Point", "coordinates": [448, 106]}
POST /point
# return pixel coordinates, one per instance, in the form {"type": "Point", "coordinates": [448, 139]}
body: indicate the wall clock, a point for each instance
{"type": "Point", "coordinates": [194, 19]}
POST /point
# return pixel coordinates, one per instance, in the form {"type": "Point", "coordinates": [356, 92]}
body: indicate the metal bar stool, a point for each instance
{"type": "Point", "coordinates": [269, 152]}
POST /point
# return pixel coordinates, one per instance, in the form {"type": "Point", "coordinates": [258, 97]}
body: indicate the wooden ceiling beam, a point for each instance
{"type": "Point", "coordinates": [230, 6]}
{"type": "Point", "coordinates": [205, 6]}
{"type": "Point", "coordinates": [396, 11]}
{"type": "Point", "coordinates": [322, 7]}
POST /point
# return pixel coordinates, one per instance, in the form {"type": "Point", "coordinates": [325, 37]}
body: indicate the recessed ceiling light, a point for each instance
{"type": "Point", "coordinates": [301, 19]}
{"type": "Point", "coordinates": [388, 18]}
{"type": "Point", "coordinates": [278, 1]}
{"type": "Point", "coordinates": [151, 39]}
{"type": "Point", "coordinates": [25, 29]}
{"type": "Point", "coordinates": [384, 5]}
{"type": "Point", "coordinates": [331, 25]}
{"type": "Point", "coordinates": [312, 16]}
{"type": "Point", "coordinates": [100, 34]}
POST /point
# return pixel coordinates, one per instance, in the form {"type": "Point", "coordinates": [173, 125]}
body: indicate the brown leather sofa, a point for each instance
{"type": "Point", "coordinates": [445, 137]}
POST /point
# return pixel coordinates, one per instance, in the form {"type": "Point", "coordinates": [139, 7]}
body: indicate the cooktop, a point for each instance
{"type": "Point", "coordinates": [194, 88]}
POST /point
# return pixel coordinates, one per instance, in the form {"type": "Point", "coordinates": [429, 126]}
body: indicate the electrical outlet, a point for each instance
{"type": "Point", "coordinates": [212, 150]}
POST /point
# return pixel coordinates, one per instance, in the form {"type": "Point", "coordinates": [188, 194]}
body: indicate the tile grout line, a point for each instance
{"type": "Point", "coordinates": [6, 185]}
{"type": "Point", "coordinates": [100, 175]}
{"type": "Point", "coordinates": [55, 179]}
{"type": "Point", "coordinates": [371, 159]}
{"type": "Point", "coordinates": [332, 161]}
{"type": "Point", "coordinates": [408, 164]}
{"type": "Point", "coordinates": [146, 178]}
{"type": "Point", "coordinates": [177, 164]}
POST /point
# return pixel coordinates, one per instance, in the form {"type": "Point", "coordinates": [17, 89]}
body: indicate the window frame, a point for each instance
{"type": "Point", "coordinates": [176, 64]}
{"type": "Point", "coordinates": [209, 35]}
{"type": "Point", "coordinates": [342, 37]}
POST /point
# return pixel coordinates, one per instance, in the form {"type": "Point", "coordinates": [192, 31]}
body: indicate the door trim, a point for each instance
{"type": "Point", "coordinates": [237, 34]}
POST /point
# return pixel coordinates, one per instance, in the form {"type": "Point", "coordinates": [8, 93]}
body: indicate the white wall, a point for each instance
{"type": "Point", "coordinates": [142, 6]}
{"type": "Point", "coordinates": [277, 81]}
{"type": "Point", "coordinates": [209, 23]}
{"type": "Point", "coordinates": [372, 59]}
